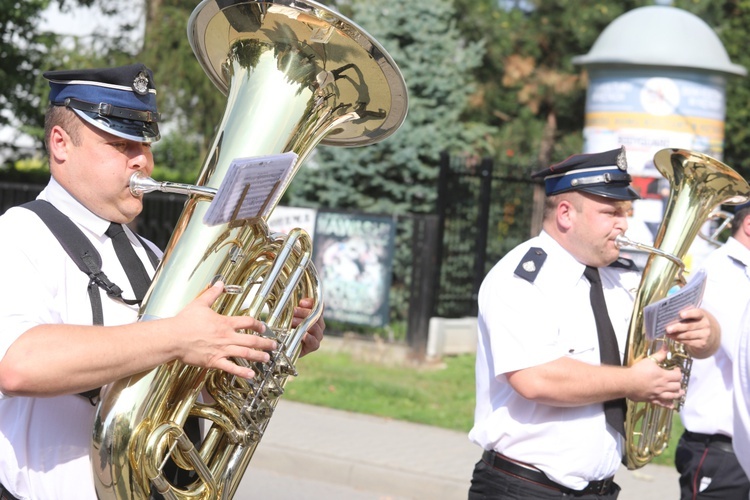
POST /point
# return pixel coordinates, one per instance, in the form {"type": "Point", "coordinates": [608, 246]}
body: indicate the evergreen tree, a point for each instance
{"type": "Point", "coordinates": [398, 175]}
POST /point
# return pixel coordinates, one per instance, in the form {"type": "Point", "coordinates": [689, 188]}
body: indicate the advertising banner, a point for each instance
{"type": "Point", "coordinates": [284, 219]}
{"type": "Point", "coordinates": [353, 254]}
{"type": "Point", "coordinates": [646, 110]}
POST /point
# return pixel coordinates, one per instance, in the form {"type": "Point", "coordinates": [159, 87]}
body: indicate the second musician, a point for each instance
{"type": "Point", "coordinates": [553, 320]}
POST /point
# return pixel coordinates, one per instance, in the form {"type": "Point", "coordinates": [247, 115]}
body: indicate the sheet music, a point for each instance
{"type": "Point", "coordinates": [251, 188]}
{"type": "Point", "coordinates": [667, 310]}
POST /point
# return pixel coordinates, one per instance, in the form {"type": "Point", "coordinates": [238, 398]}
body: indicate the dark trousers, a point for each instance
{"type": "Point", "coordinates": [489, 483]}
{"type": "Point", "coordinates": [709, 469]}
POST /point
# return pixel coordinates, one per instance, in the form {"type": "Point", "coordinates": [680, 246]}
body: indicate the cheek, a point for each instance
{"type": "Point", "coordinates": [602, 226]}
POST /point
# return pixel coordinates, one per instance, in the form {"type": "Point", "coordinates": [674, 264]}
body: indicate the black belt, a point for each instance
{"type": "Point", "coordinates": [498, 461]}
{"type": "Point", "coordinates": [4, 495]}
{"type": "Point", "coordinates": [718, 441]}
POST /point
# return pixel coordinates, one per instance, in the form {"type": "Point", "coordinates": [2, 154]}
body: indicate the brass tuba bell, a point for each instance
{"type": "Point", "coordinates": [295, 74]}
{"type": "Point", "coordinates": [698, 184]}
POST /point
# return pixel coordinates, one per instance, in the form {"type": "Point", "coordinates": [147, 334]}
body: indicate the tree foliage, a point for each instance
{"type": "Point", "coordinates": [27, 51]}
{"type": "Point", "coordinates": [731, 21]}
{"type": "Point", "coordinates": [398, 175]}
{"type": "Point", "coordinates": [502, 64]}
{"type": "Point", "coordinates": [189, 101]}
{"type": "Point", "coordinates": [22, 53]}
{"type": "Point", "coordinates": [529, 88]}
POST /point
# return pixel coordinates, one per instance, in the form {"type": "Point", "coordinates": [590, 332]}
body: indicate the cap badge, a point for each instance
{"type": "Point", "coordinates": [622, 161]}
{"type": "Point", "coordinates": [140, 84]}
{"type": "Point", "coordinates": [529, 266]}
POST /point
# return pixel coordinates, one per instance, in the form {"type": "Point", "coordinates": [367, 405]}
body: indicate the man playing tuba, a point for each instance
{"type": "Point", "coordinates": [55, 348]}
{"type": "Point", "coordinates": [553, 321]}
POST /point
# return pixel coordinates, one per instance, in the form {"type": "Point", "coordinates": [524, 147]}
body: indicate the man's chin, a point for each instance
{"type": "Point", "coordinates": [133, 208]}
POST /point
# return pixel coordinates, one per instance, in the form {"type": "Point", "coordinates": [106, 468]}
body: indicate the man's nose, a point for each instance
{"type": "Point", "coordinates": [140, 155]}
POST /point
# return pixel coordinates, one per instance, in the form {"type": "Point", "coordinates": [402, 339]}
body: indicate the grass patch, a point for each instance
{"type": "Point", "coordinates": [667, 456]}
{"type": "Point", "coordinates": [438, 396]}
{"type": "Point", "coordinates": [442, 397]}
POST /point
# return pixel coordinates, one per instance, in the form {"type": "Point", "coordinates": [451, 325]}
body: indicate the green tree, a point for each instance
{"type": "Point", "coordinates": [529, 87]}
{"type": "Point", "coordinates": [27, 51]}
{"type": "Point", "coordinates": [398, 175]}
{"type": "Point", "coordinates": [190, 103]}
{"type": "Point", "coordinates": [731, 21]}
{"type": "Point", "coordinates": [22, 52]}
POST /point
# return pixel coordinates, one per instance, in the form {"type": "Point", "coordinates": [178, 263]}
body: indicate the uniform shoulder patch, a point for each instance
{"type": "Point", "coordinates": [624, 263]}
{"type": "Point", "coordinates": [531, 264]}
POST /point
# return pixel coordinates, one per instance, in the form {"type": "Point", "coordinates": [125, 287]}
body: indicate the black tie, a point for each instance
{"type": "Point", "coordinates": [133, 266]}
{"type": "Point", "coordinates": [609, 352]}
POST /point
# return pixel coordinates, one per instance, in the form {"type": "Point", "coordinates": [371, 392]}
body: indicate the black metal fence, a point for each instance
{"type": "Point", "coordinates": [484, 211]}
{"type": "Point", "coordinates": [14, 193]}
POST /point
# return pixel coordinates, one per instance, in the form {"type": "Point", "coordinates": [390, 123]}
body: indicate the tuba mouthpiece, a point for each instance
{"type": "Point", "coordinates": [623, 241]}
{"type": "Point", "coordinates": [620, 241]}
{"type": "Point", "coordinates": [141, 184]}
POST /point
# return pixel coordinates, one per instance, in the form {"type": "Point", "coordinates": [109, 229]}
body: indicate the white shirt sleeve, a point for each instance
{"type": "Point", "coordinates": [741, 375]}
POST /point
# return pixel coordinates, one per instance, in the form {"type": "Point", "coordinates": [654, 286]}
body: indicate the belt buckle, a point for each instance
{"type": "Point", "coordinates": [602, 487]}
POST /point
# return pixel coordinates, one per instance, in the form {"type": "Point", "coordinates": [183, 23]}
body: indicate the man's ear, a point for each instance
{"type": "Point", "coordinates": [565, 214]}
{"type": "Point", "coordinates": [58, 144]}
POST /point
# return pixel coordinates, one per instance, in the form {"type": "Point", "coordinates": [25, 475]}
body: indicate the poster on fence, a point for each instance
{"type": "Point", "coordinates": [284, 219]}
{"type": "Point", "coordinates": [353, 254]}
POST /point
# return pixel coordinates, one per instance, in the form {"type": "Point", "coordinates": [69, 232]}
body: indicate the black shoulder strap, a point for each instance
{"type": "Point", "coordinates": [88, 260]}
{"type": "Point", "coordinates": [80, 249]}
{"type": "Point", "coordinates": [83, 253]}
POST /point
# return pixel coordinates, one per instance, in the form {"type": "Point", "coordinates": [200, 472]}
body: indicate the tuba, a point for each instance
{"type": "Point", "coordinates": [723, 221]}
{"type": "Point", "coordinates": [698, 184]}
{"type": "Point", "coordinates": [295, 74]}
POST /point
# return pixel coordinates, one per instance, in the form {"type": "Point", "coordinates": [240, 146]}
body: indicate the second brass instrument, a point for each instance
{"type": "Point", "coordinates": [724, 223]}
{"type": "Point", "coordinates": [698, 185]}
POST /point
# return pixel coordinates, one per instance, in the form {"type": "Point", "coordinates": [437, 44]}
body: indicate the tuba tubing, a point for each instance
{"type": "Point", "coordinates": [698, 184]}
{"type": "Point", "coordinates": [296, 74]}
{"type": "Point", "coordinates": [714, 237]}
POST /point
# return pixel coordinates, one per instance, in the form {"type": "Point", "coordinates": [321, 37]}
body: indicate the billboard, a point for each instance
{"type": "Point", "coordinates": [353, 254]}
{"type": "Point", "coordinates": [284, 219]}
{"type": "Point", "coordinates": [646, 110]}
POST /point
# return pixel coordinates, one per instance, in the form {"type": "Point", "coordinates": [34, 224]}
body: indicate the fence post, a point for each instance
{"type": "Point", "coordinates": [441, 208]}
{"type": "Point", "coordinates": [483, 223]}
{"type": "Point", "coordinates": [424, 281]}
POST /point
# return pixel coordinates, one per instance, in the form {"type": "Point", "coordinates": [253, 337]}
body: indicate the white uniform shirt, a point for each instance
{"type": "Point", "coordinates": [708, 403]}
{"type": "Point", "coordinates": [741, 376]}
{"type": "Point", "coordinates": [44, 442]}
{"type": "Point", "coordinates": [523, 324]}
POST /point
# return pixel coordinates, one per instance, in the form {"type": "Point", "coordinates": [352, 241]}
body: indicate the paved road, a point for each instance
{"type": "Point", "coordinates": [316, 453]}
